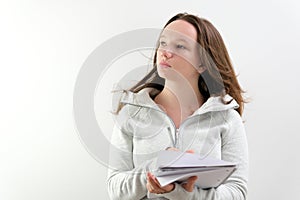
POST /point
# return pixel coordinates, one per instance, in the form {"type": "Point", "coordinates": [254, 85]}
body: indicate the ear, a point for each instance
{"type": "Point", "coordinates": [201, 69]}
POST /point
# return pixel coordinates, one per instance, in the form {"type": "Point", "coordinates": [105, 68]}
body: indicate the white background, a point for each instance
{"type": "Point", "coordinates": [44, 43]}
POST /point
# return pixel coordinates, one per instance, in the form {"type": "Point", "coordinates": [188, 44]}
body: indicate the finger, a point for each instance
{"type": "Point", "coordinates": [166, 188]}
{"type": "Point", "coordinates": [149, 180]}
{"type": "Point", "coordinates": [154, 185]}
{"type": "Point", "coordinates": [149, 185]}
{"type": "Point", "coordinates": [172, 149]}
{"type": "Point", "coordinates": [155, 180]}
{"type": "Point", "coordinates": [189, 185]}
{"type": "Point", "coordinates": [149, 174]}
{"type": "Point", "coordinates": [190, 151]}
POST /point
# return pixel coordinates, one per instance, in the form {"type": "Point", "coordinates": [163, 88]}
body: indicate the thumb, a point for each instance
{"type": "Point", "coordinates": [189, 185]}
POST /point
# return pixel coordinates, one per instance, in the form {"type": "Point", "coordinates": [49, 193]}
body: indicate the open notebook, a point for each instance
{"type": "Point", "coordinates": [175, 166]}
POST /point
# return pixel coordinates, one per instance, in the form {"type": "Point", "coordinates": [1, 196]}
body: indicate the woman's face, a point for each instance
{"type": "Point", "coordinates": [177, 53]}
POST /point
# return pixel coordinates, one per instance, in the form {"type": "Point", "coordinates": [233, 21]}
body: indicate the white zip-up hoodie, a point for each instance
{"type": "Point", "coordinates": [143, 129]}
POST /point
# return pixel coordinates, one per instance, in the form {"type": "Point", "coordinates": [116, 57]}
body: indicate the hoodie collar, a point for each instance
{"type": "Point", "coordinates": [143, 99]}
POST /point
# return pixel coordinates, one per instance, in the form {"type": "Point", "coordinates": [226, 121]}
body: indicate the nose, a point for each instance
{"type": "Point", "coordinates": [165, 53]}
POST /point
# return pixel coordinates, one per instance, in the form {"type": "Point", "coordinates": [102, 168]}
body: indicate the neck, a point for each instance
{"type": "Point", "coordinates": [181, 94]}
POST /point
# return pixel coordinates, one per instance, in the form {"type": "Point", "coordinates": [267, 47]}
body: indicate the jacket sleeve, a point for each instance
{"type": "Point", "coordinates": [125, 181]}
{"type": "Point", "coordinates": [234, 149]}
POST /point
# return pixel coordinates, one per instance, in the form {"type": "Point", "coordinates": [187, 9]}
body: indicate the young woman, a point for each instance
{"type": "Point", "coordinates": [190, 101]}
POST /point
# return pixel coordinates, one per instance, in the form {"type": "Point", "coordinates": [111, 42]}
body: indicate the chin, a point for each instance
{"type": "Point", "coordinates": [162, 74]}
{"type": "Point", "coordinates": [168, 76]}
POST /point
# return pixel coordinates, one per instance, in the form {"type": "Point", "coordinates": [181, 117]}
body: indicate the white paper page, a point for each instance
{"type": "Point", "coordinates": [181, 159]}
{"type": "Point", "coordinates": [206, 179]}
{"type": "Point", "coordinates": [177, 171]}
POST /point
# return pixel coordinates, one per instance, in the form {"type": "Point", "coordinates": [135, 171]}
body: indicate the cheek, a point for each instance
{"type": "Point", "coordinates": [190, 59]}
{"type": "Point", "coordinates": [195, 60]}
{"type": "Point", "coordinates": [158, 56]}
{"type": "Point", "coordinates": [188, 65]}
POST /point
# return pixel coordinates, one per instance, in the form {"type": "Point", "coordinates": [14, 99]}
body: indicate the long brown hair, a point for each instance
{"type": "Point", "coordinates": [219, 77]}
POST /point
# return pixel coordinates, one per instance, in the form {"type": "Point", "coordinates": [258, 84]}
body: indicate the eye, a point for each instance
{"type": "Point", "coordinates": [179, 46]}
{"type": "Point", "coordinates": [162, 43]}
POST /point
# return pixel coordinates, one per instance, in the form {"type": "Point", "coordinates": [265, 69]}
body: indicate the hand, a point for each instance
{"type": "Point", "coordinates": [189, 185]}
{"type": "Point", "coordinates": [153, 185]}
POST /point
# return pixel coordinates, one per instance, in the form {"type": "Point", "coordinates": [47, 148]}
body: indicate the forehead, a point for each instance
{"type": "Point", "coordinates": [180, 28]}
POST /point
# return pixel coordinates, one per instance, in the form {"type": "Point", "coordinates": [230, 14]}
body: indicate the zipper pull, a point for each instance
{"type": "Point", "coordinates": [172, 138]}
{"type": "Point", "coordinates": [176, 138]}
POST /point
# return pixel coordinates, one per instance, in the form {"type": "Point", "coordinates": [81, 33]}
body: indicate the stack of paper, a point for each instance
{"type": "Point", "coordinates": [175, 166]}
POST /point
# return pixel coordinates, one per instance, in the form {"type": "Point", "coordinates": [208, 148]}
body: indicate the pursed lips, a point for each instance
{"type": "Point", "coordinates": [164, 65]}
